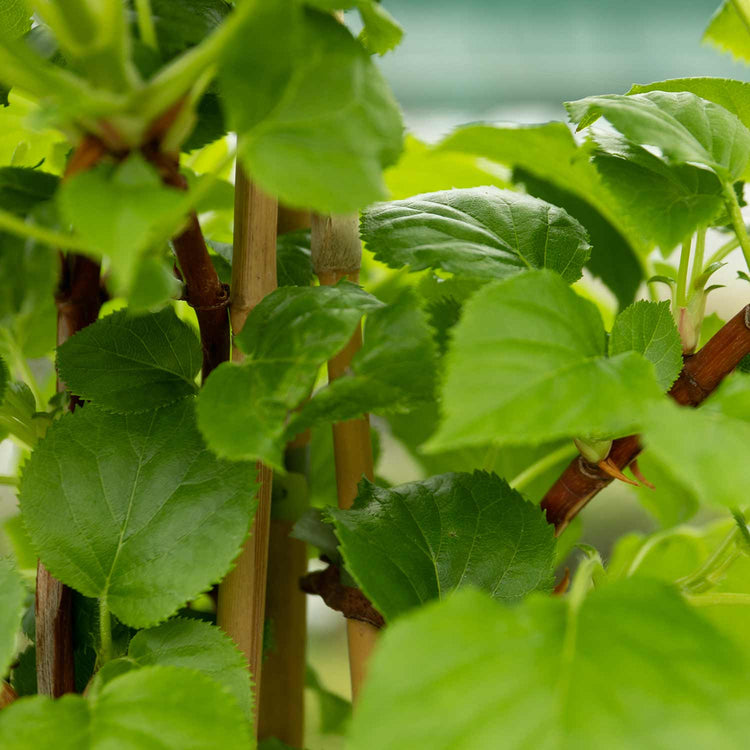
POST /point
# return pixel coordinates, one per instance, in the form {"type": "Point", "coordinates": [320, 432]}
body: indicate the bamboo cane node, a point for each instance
{"type": "Point", "coordinates": [589, 470]}
{"type": "Point", "coordinates": [350, 601]}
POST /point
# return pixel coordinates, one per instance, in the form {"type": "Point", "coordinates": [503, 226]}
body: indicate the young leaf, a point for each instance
{"type": "Point", "coordinates": [12, 595]}
{"type": "Point", "coordinates": [191, 644]}
{"type": "Point", "coordinates": [119, 210]}
{"type": "Point", "coordinates": [393, 371]}
{"type": "Point", "coordinates": [420, 541]}
{"type": "Point", "coordinates": [165, 707]}
{"type": "Point", "coordinates": [318, 128]}
{"type": "Point", "coordinates": [728, 29]}
{"type": "Point", "coordinates": [703, 450]}
{"type": "Point", "coordinates": [683, 127]}
{"type": "Point", "coordinates": [242, 409]}
{"type": "Point", "coordinates": [381, 32]}
{"type": "Point", "coordinates": [527, 364]}
{"type": "Point", "coordinates": [479, 232]}
{"type": "Point", "coordinates": [648, 328]}
{"type": "Point", "coordinates": [130, 509]}
{"type": "Point", "coordinates": [631, 665]}
{"type": "Point", "coordinates": [127, 363]}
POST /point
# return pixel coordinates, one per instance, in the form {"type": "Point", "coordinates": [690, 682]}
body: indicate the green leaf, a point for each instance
{"type": "Point", "coordinates": [712, 324]}
{"type": "Point", "coordinates": [630, 666]}
{"type": "Point", "coordinates": [393, 371]}
{"type": "Point", "coordinates": [134, 509]}
{"type": "Point", "coordinates": [128, 363]}
{"type": "Point", "coordinates": [729, 29]}
{"type": "Point", "coordinates": [243, 409]}
{"type": "Point", "coordinates": [381, 32]}
{"type": "Point", "coordinates": [479, 232]}
{"type": "Point", "coordinates": [733, 95]}
{"type": "Point", "coordinates": [191, 644]}
{"type": "Point", "coordinates": [550, 153]}
{"type": "Point", "coordinates": [154, 284]}
{"type": "Point", "coordinates": [12, 596]}
{"type": "Point", "coordinates": [23, 188]}
{"type": "Point", "coordinates": [293, 261]}
{"type": "Point", "coordinates": [182, 25]}
{"type": "Point", "coordinates": [422, 169]}
{"type": "Point", "coordinates": [420, 541]}
{"type": "Point", "coordinates": [15, 19]}
{"type": "Point", "coordinates": [320, 125]}
{"type": "Point", "coordinates": [28, 277]}
{"type": "Point", "coordinates": [527, 364]}
{"type": "Point", "coordinates": [703, 450]}
{"type": "Point", "coordinates": [119, 210]}
{"type": "Point", "coordinates": [685, 128]}
{"type": "Point", "coordinates": [668, 502]}
{"type": "Point", "coordinates": [613, 259]}
{"type": "Point", "coordinates": [159, 707]}
{"type": "Point", "coordinates": [648, 328]}
{"type": "Point", "coordinates": [335, 711]}
{"type": "Point", "coordinates": [669, 203]}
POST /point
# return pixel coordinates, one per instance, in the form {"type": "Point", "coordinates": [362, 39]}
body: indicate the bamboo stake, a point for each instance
{"type": "Point", "coordinates": [78, 298]}
{"type": "Point", "coordinates": [701, 375]}
{"type": "Point", "coordinates": [7, 695]}
{"type": "Point", "coordinates": [241, 602]}
{"type": "Point", "coordinates": [281, 709]}
{"type": "Point", "coordinates": [336, 255]}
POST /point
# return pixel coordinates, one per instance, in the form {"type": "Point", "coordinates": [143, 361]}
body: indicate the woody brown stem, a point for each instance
{"type": "Point", "coordinates": [204, 291]}
{"type": "Point", "coordinates": [700, 376]}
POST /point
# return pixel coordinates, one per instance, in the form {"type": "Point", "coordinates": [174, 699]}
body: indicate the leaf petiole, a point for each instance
{"type": "Point", "coordinates": [146, 27]}
{"type": "Point", "coordinates": [530, 473]}
{"type": "Point", "coordinates": [738, 223]}
{"type": "Point", "coordinates": [105, 632]}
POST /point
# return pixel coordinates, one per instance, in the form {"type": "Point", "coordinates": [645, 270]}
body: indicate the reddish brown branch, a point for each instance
{"type": "Point", "coordinates": [700, 376]}
{"type": "Point", "coordinates": [7, 695]}
{"type": "Point", "coordinates": [204, 292]}
{"type": "Point", "coordinates": [345, 599]}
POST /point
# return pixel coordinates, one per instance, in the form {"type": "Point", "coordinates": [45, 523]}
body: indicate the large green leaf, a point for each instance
{"type": "Point", "coordinates": [15, 18]}
{"type": "Point", "coordinates": [527, 364]}
{"type": "Point", "coordinates": [132, 363]}
{"type": "Point", "coordinates": [158, 708]}
{"type": "Point", "coordinates": [119, 211]}
{"type": "Point", "coordinates": [648, 328]}
{"type": "Point", "coordinates": [630, 666]}
{"type": "Point", "coordinates": [12, 595]}
{"type": "Point", "coordinates": [685, 128]}
{"type": "Point", "coordinates": [551, 154]}
{"type": "Point", "coordinates": [704, 450]}
{"type": "Point", "coordinates": [393, 371]}
{"type": "Point", "coordinates": [729, 28]}
{"type": "Point", "coordinates": [135, 509]}
{"type": "Point", "coordinates": [478, 232]}
{"type": "Point", "coordinates": [731, 94]}
{"type": "Point", "coordinates": [420, 541]}
{"type": "Point", "coordinates": [669, 202]}
{"type": "Point", "coordinates": [191, 644]}
{"type": "Point", "coordinates": [243, 408]}
{"type": "Point", "coordinates": [320, 125]}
